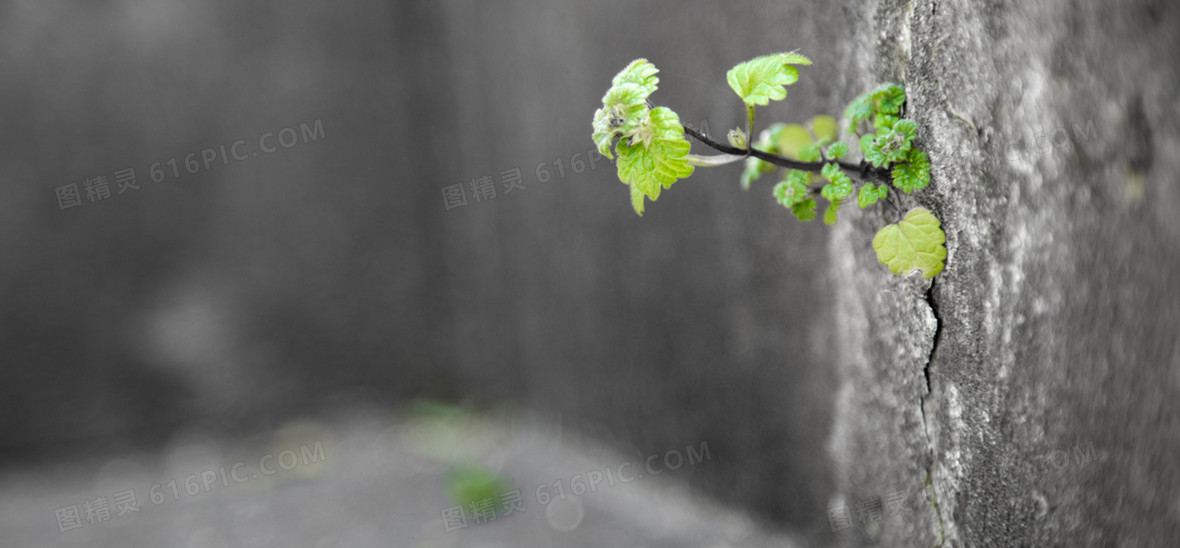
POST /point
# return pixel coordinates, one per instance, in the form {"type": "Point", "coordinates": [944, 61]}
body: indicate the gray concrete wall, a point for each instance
{"type": "Point", "coordinates": [1035, 380]}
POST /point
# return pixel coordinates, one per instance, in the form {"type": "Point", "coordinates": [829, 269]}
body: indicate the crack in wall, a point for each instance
{"type": "Point", "coordinates": [929, 298]}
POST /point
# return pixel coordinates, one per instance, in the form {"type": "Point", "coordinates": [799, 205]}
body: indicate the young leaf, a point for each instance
{"type": "Point", "coordinates": [810, 153]}
{"type": "Point", "coordinates": [755, 168]}
{"type": "Point", "coordinates": [837, 151]}
{"type": "Point", "coordinates": [859, 110]}
{"type": "Point", "coordinates": [830, 213]}
{"type": "Point", "coordinates": [869, 194]}
{"type": "Point", "coordinates": [763, 79]}
{"type": "Point", "coordinates": [840, 186]}
{"type": "Point", "coordinates": [804, 210]}
{"type": "Point", "coordinates": [872, 151]}
{"type": "Point", "coordinates": [793, 189]}
{"type": "Point", "coordinates": [888, 98]}
{"type": "Point", "coordinates": [824, 126]}
{"type": "Point", "coordinates": [913, 175]}
{"type": "Point", "coordinates": [639, 72]}
{"type": "Point", "coordinates": [884, 122]}
{"type": "Point", "coordinates": [895, 144]}
{"type": "Point", "coordinates": [737, 138]}
{"type": "Point", "coordinates": [791, 139]}
{"type": "Point", "coordinates": [658, 161]}
{"type": "Point", "coordinates": [915, 243]}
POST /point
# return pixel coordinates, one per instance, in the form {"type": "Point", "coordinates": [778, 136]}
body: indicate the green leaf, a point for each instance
{"type": "Point", "coordinates": [604, 134]}
{"type": "Point", "coordinates": [884, 122]}
{"type": "Point", "coordinates": [804, 210]}
{"type": "Point", "coordinates": [824, 126]}
{"type": "Point", "coordinates": [793, 189]}
{"type": "Point", "coordinates": [656, 159]}
{"type": "Point", "coordinates": [755, 168]}
{"type": "Point", "coordinates": [763, 79]}
{"type": "Point", "coordinates": [737, 138]}
{"type": "Point", "coordinates": [810, 153]}
{"type": "Point", "coordinates": [830, 213]}
{"type": "Point", "coordinates": [859, 110]}
{"type": "Point", "coordinates": [870, 193]}
{"type": "Point", "coordinates": [888, 98]}
{"type": "Point", "coordinates": [908, 127]}
{"type": "Point", "coordinates": [467, 484]}
{"type": "Point", "coordinates": [840, 185]}
{"type": "Point", "coordinates": [914, 244]}
{"type": "Point", "coordinates": [895, 144]}
{"type": "Point", "coordinates": [913, 175]}
{"type": "Point", "coordinates": [791, 139]}
{"type": "Point", "coordinates": [872, 151]}
{"type": "Point", "coordinates": [639, 72]}
{"type": "Point", "coordinates": [632, 98]}
{"type": "Point", "coordinates": [837, 151]}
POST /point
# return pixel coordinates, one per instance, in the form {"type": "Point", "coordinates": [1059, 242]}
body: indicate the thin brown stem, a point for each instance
{"type": "Point", "coordinates": [861, 171]}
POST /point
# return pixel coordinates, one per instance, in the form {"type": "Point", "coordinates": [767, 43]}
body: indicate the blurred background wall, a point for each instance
{"type": "Point", "coordinates": [330, 275]}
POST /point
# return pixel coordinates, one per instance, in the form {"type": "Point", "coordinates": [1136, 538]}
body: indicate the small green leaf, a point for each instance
{"type": "Point", "coordinates": [791, 139]}
{"type": "Point", "coordinates": [895, 144]}
{"type": "Point", "coordinates": [755, 168]}
{"type": "Point", "coordinates": [884, 122]}
{"type": "Point", "coordinates": [868, 195]}
{"type": "Point", "coordinates": [829, 171]}
{"type": "Point", "coordinates": [859, 110]}
{"type": "Point", "coordinates": [824, 126]}
{"type": "Point", "coordinates": [872, 151]}
{"type": "Point", "coordinates": [907, 127]}
{"type": "Point", "coordinates": [830, 213]}
{"type": "Point", "coordinates": [468, 484]}
{"type": "Point", "coordinates": [837, 151]}
{"type": "Point", "coordinates": [793, 189]}
{"type": "Point", "coordinates": [639, 72]}
{"type": "Point", "coordinates": [913, 175]}
{"type": "Point", "coordinates": [915, 243]}
{"type": "Point", "coordinates": [888, 98]}
{"type": "Point", "coordinates": [840, 185]}
{"type": "Point", "coordinates": [764, 79]}
{"type": "Point", "coordinates": [737, 138]}
{"type": "Point", "coordinates": [810, 153]}
{"type": "Point", "coordinates": [804, 210]}
{"type": "Point", "coordinates": [656, 161]}
{"type": "Point", "coordinates": [631, 97]}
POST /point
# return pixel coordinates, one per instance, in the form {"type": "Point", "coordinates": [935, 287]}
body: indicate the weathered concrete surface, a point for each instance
{"type": "Point", "coordinates": [1036, 379]}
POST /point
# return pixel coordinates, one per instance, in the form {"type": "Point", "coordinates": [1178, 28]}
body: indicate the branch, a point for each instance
{"type": "Point", "coordinates": [861, 171]}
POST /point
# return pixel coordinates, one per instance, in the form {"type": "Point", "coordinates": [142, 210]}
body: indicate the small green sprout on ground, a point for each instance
{"type": "Point", "coordinates": [653, 153]}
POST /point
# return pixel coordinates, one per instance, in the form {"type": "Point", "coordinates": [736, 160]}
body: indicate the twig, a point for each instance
{"type": "Point", "coordinates": [861, 171]}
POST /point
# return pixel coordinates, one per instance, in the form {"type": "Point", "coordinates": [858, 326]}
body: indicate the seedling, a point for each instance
{"type": "Point", "coordinates": [653, 153]}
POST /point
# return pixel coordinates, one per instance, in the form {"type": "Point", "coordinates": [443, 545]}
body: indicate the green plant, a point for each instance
{"type": "Point", "coordinates": [653, 153]}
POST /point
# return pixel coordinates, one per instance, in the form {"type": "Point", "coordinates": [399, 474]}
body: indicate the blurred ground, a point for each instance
{"type": "Point", "coordinates": [377, 479]}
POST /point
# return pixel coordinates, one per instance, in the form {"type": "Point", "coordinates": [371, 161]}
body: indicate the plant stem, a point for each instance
{"type": "Point", "coordinates": [714, 160]}
{"type": "Point", "coordinates": [855, 171]}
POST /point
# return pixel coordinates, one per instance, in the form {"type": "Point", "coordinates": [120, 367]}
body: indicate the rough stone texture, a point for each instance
{"type": "Point", "coordinates": [1036, 378]}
